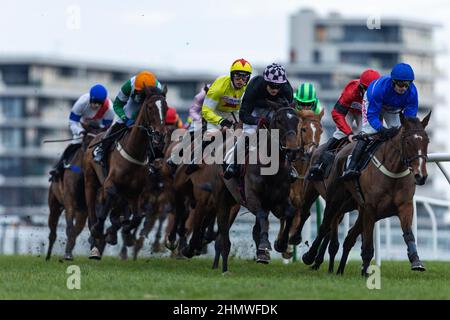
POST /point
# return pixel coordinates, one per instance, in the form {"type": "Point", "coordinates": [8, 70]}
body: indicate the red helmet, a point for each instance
{"type": "Point", "coordinates": [368, 76]}
{"type": "Point", "coordinates": [171, 116]}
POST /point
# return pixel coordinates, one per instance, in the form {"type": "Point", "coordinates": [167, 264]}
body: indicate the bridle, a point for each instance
{"type": "Point", "coordinates": [405, 160]}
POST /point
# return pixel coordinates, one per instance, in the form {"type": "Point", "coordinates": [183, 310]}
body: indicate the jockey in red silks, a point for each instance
{"type": "Point", "coordinates": [346, 111]}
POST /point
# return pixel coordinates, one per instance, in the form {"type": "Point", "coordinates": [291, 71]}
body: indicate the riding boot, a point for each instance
{"type": "Point", "coordinates": [66, 156]}
{"type": "Point", "coordinates": [352, 170]}
{"type": "Point", "coordinates": [230, 170]}
{"type": "Point", "coordinates": [102, 149]}
{"type": "Point", "coordinates": [317, 169]}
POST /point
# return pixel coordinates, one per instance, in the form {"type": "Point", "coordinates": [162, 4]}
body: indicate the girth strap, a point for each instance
{"type": "Point", "coordinates": [124, 154]}
{"type": "Point", "coordinates": [388, 173]}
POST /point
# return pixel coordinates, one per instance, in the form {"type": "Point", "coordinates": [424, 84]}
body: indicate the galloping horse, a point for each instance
{"type": "Point", "coordinates": [265, 193]}
{"type": "Point", "coordinates": [397, 167]}
{"type": "Point", "coordinates": [310, 130]}
{"type": "Point", "coordinates": [68, 194]}
{"type": "Point", "coordinates": [128, 163]}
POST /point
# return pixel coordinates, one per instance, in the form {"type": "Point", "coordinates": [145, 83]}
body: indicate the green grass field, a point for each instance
{"type": "Point", "coordinates": [30, 277]}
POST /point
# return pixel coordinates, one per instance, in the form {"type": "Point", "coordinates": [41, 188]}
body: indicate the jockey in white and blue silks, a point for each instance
{"type": "Point", "coordinates": [384, 99]}
{"type": "Point", "coordinates": [92, 109]}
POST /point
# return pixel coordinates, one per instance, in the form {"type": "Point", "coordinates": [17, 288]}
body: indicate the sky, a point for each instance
{"type": "Point", "coordinates": [204, 35]}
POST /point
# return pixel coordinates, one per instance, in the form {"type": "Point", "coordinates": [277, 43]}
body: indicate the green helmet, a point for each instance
{"type": "Point", "coordinates": [306, 94]}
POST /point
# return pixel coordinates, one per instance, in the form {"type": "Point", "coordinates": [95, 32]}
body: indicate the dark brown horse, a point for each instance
{"type": "Point", "coordinates": [268, 192]}
{"type": "Point", "coordinates": [128, 163]}
{"type": "Point", "coordinates": [397, 167]}
{"type": "Point", "coordinates": [68, 194]}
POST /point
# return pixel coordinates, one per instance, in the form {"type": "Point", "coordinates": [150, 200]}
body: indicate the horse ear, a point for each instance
{"type": "Point", "coordinates": [426, 119]}
{"type": "Point", "coordinates": [321, 114]}
{"type": "Point", "coordinates": [164, 90]}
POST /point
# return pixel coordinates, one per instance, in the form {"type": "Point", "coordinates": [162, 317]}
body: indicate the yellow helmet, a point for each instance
{"type": "Point", "coordinates": [144, 79]}
{"type": "Point", "coordinates": [241, 65]}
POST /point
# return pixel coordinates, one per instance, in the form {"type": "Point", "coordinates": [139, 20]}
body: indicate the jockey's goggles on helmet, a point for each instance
{"type": "Point", "coordinates": [275, 86]}
{"type": "Point", "coordinates": [241, 76]}
{"type": "Point", "coordinates": [402, 83]}
{"type": "Point", "coordinates": [96, 102]}
{"type": "Point", "coordinates": [307, 104]}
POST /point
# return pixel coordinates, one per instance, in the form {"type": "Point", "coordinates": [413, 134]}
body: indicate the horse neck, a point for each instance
{"type": "Point", "coordinates": [391, 153]}
{"type": "Point", "coordinates": [137, 140]}
{"type": "Point", "coordinates": [281, 153]}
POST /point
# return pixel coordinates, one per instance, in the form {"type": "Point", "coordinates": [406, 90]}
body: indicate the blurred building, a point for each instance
{"type": "Point", "coordinates": [36, 95]}
{"type": "Point", "coordinates": [331, 50]}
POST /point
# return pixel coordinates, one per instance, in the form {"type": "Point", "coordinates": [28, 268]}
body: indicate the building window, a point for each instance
{"type": "Point", "coordinates": [11, 107]}
{"type": "Point", "coordinates": [317, 56]}
{"type": "Point", "coordinates": [15, 74]}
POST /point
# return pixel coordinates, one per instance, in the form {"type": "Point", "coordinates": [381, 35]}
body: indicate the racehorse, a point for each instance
{"type": "Point", "coordinates": [68, 194]}
{"type": "Point", "coordinates": [397, 167]}
{"type": "Point", "coordinates": [264, 193]}
{"type": "Point", "coordinates": [310, 131]}
{"type": "Point", "coordinates": [128, 163]}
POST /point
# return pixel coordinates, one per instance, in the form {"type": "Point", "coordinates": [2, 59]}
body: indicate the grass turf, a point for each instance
{"type": "Point", "coordinates": [31, 277]}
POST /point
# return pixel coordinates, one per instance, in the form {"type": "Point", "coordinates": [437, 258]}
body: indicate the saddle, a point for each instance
{"type": "Point", "coordinates": [330, 155]}
{"type": "Point", "coordinates": [371, 148]}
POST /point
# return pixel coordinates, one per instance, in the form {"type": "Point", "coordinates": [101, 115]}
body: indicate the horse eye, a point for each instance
{"type": "Point", "coordinates": [303, 129]}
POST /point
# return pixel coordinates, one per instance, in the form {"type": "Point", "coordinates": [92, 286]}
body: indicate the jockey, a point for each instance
{"type": "Point", "coordinates": [346, 111]}
{"type": "Point", "coordinates": [223, 100]}
{"type": "Point", "coordinates": [126, 106]}
{"type": "Point", "coordinates": [386, 98]}
{"type": "Point", "coordinates": [195, 111]}
{"type": "Point", "coordinates": [273, 86]}
{"type": "Point", "coordinates": [305, 98]}
{"type": "Point", "coordinates": [172, 118]}
{"type": "Point", "coordinates": [92, 109]}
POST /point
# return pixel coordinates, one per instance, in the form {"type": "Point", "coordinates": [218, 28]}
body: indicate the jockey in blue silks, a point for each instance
{"type": "Point", "coordinates": [384, 99]}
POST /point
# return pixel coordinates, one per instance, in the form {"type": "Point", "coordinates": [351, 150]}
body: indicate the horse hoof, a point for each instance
{"type": "Point", "coordinates": [263, 256]}
{"type": "Point", "coordinates": [278, 247]}
{"type": "Point", "coordinates": [187, 252]}
{"type": "Point", "coordinates": [68, 257]}
{"type": "Point", "coordinates": [418, 266]}
{"type": "Point", "coordinates": [111, 238]}
{"type": "Point", "coordinates": [171, 245]}
{"type": "Point", "coordinates": [95, 254]}
{"type": "Point", "coordinates": [287, 255]}
{"type": "Point", "coordinates": [264, 246]}
{"type": "Point", "coordinates": [295, 240]}
{"type": "Point", "coordinates": [315, 266]}
{"type": "Point", "coordinates": [307, 258]}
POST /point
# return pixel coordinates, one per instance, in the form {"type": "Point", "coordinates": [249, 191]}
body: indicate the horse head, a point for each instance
{"type": "Point", "coordinates": [285, 119]}
{"type": "Point", "coordinates": [152, 115]}
{"type": "Point", "coordinates": [310, 130]}
{"type": "Point", "coordinates": [414, 146]}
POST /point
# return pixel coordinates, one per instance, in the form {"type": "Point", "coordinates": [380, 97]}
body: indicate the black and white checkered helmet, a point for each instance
{"type": "Point", "coordinates": [275, 73]}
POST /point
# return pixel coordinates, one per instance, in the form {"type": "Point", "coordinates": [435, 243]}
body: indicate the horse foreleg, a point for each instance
{"type": "Point", "coordinates": [55, 212]}
{"type": "Point", "coordinates": [309, 198]}
{"type": "Point", "coordinates": [349, 242]}
{"type": "Point", "coordinates": [406, 215]}
{"type": "Point", "coordinates": [80, 222]}
{"type": "Point", "coordinates": [367, 238]}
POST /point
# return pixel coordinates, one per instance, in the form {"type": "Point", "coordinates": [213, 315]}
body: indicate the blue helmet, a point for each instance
{"type": "Point", "coordinates": [402, 71]}
{"type": "Point", "coordinates": [98, 93]}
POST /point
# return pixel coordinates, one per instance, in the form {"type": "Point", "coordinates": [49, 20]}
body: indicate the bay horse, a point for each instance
{"type": "Point", "coordinates": [397, 167]}
{"type": "Point", "coordinates": [128, 163]}
{"type": "Point", "coordinates": [310, 131]}
{"type": "Point", "coordinates": [67, 194]}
